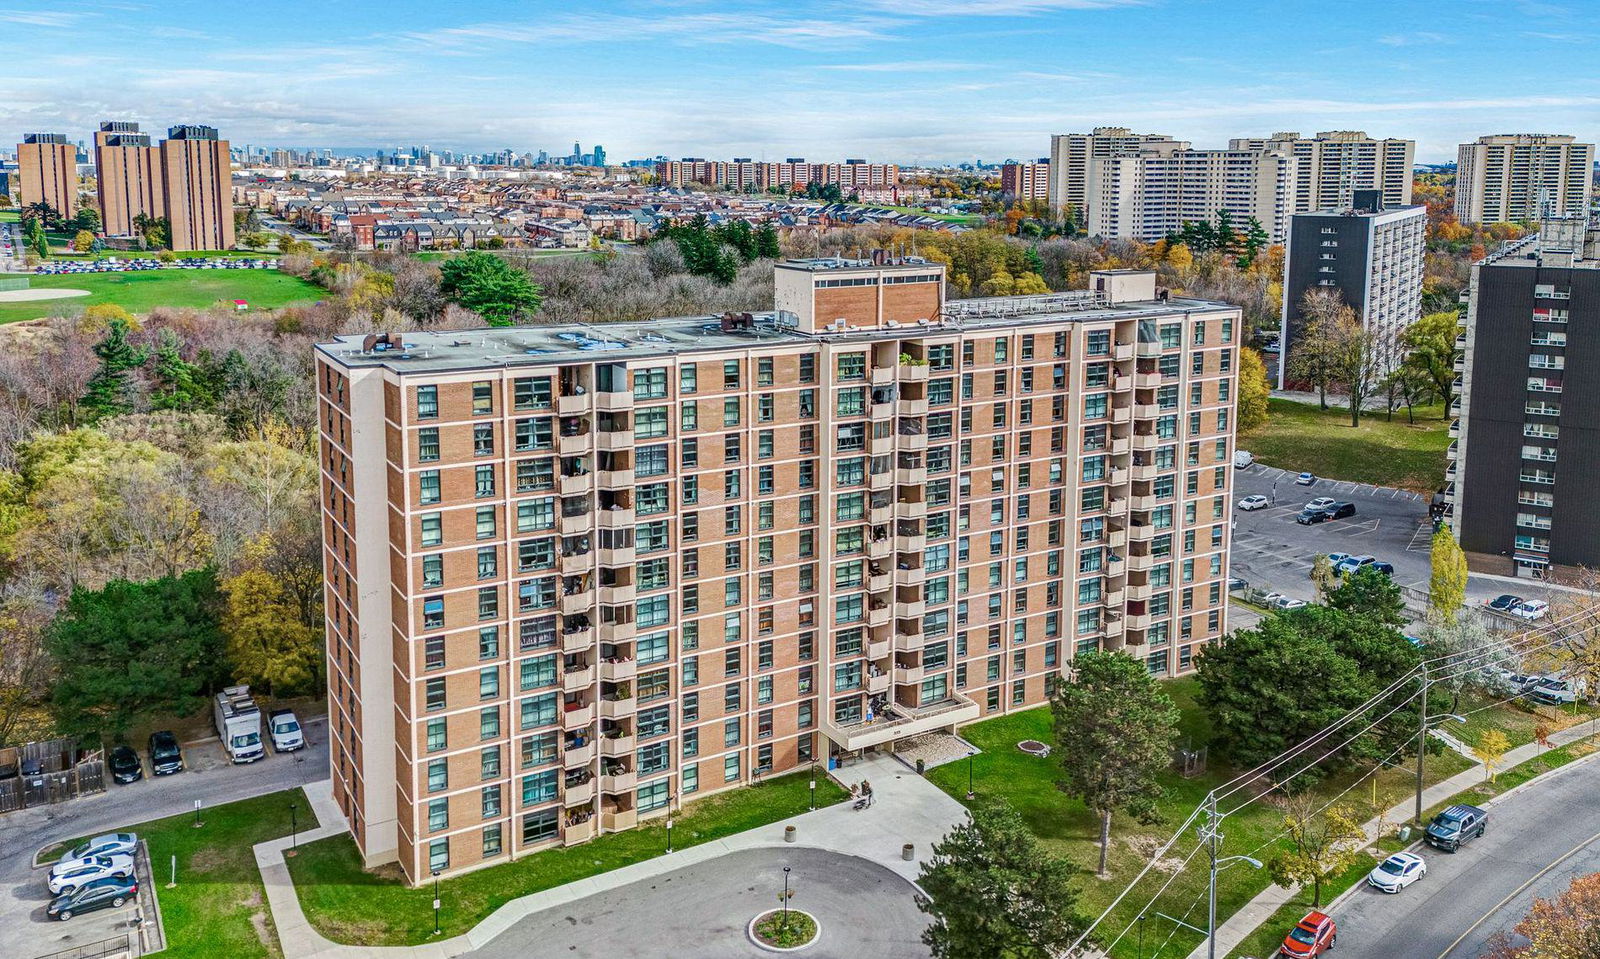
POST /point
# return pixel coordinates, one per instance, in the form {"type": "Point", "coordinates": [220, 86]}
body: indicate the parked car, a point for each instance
{"type": "Point", "coordinates": [1312, 936]}
{"type": "Point", "coordinates": [1341, 510]}
{"type": "Point", "coordinates": [108, 893]}
{"type": "Point", "coordinates": [1304, 479]}
{"type": "Point", "coordinates": [1310, 517]}
{"type": "Point", "coordinates": [1242, 459]}
{"type": "Point", "coordinates": [71, 874]}
{"type": "Point", "coordinates": [1253, 503]}
{"type": "Point", "coordinates": [1505, 603]}
{"type": "Point", "coordinates": [285, 731]}
{"type": "Point", "coordinates": [111, 844]}
{"type": "Point", "coordinates": [1279, 601]}
{"type": "Point", "coordinates": [1397, 872]}
{"type": "Point", "coordinates": [125, 765]}
{"type": "Point", "coordinates": [1321, 503]}
{"type": "Point", "coordinates": [1351, 564]}
{"type": "Point", "coordinates": [1531, 610]}
{"type": "Point", "coordinates": [1455, 826]}
{"type": "Point", "coordinates": [1386, 569]}
{"type": "Point", "coordinates": [1236, 583]}
{"type": "Point", "coordinates": [1334, 559]}
{"type": "Point", "coordinates": [165, 755]}
{"type": "Point", "coordinates": [1556, 691]}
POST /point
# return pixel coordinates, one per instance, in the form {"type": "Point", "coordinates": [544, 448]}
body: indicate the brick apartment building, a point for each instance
{"type": "Point", "coordinates": [47, 166]}
{"type": "Point", "coordinates": [795, 172]}
{"type": "Point", "coordinates": [1026, 181]}
{"type": "Point", "coordinates": [576, 576]}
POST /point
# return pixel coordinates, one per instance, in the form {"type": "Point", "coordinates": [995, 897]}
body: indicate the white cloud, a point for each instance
{"type": "Point", "coordinates": [993, 8]}
{"type": "Point", "coordinates": [40, 18]}
{"type": "Point", "coordinates": [902, 66]}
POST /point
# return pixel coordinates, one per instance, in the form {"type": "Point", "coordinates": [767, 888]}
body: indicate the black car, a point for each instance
{"type": "Point", "coordinates": [1505, 603]}
{"type": "Point", "coordinates": [1340, 510]}
{"type": "Point", "coordinates": [108, 893]}
{"type": "Point", "coordinates": [1455, 826]}
{"type": "Point", "coordinates": [165, 756]}
{"type": "Point", "coordinates": [125, 765]}
{"type": "Point", "coordinates": [1309, 516]}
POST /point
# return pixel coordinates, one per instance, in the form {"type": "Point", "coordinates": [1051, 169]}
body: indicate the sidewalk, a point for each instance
{"type": "Point", "coordinates": [1258, 910]}
{"type": "Point", "coordinates": [908, 809]}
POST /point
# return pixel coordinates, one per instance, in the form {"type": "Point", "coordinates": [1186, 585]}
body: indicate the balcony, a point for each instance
{"type": "Point", "coordinates": [879, 548]}
{"type": "Point", "coordinates": [1152, 348]}
{"type": "Point", "coordinates": [911, 407]}
{"type": "Point", "coordinates": [575, 485]}
{"type": "Point", "coordinates": [616, 632]}
{"type": "Point", "coordinates": [1460, 365]}
{"type": "Point", "coordinates": [879, 515]}
{"type": "Point", "coordinates": [1454, 450]}
{"type": "Point", "coordinates": [577, 640]}
{"type": "Point", "coordinates": [1115, 566]}
{"type": "Point", "coordinates": [1147, 501]}
{"type": "Point", "coordinates": [618, 594]}
{"type": "Point", "coordinates": [1139, 622]}
{"type": "Point", "coordinates": [911, 475]}
{"type": "Point", "coordinates": [1122, 351]}
{"type": "Point", "coordinates": [880, 446]}
{"type": "Point", "coordinates": [910, 576]}
{"type": "Point", "coordinates": [878, 482]}
{"type": "Point", "coordinates": [574, 405]}
{"type": "Point", "coordinates": [580, 794]}
{"type": "Point", "coordinates": [878, 582]}
{"type": "Point", "coordinates": [577, 718]}
{"type": "Point", "coordinates": [1112, 627]}
{"type": "Point", "coordinates": [913, 543]}
{"type": "Point", "coordinates": [878, 684]}
{"type": "Point", "coordinates": [620, 708]}
{"type": "Point", "coordinates": [907, 675]}
{"type": "Point", "coordinates": [913, 372]}
{"type": "Point", "coordinates": [1146, 441]}
{"type": "Point", "coordinates": [574, 756]}
{"type": "Point", "coordinates": [618, 746]}
{"type": "Point", "coordinates": [576, 680]}
{"type": "Point", "coordinates": [911, 442]}
{"type": "Point", "coordinates": [1141, 532]}
{"type": "Point", "coordinates": [617, 670]}
{"type": "Point", "coordinates": [575, 445]}
{"type": "Point", "coordinates": [1147, 380]}
{"type": "Point", "coordinates": [1121, 383]}
{"type": "Point", "coordinates": [900, 722]}
{"type": "Point", "coordinates": [1142, 561]}
{"type": "Point", "coordinates": [1117, 504]}
{"type": "Point", "coordinates": [613, 402]}
{"type": "Point", "coordinates": [1455, 428]}
{"type": "Point", "coordinates": [612, 821]}
{"type": "Point", "coordinates": [577, 602]}
{"type": "Point", "coordinates": [878, 616]}
{"type": "Point", "coordinates": [616, 479]}
{"type": "Point", "coordinates": [1117, 476]}
{"type": "Point", "coordinates": [614, 440]}
{"type": "Point", "coordinates": [581, 830]}
{"type": "Point", "coordinates": [577, 562]}
{"type": "Point", "coordinates": [1121, 414]}
{"type": "Point", "coordinates": [1117, 538]}
{"type": "Point", "coordinates": [908, 639]}
{"type": "Point", "coordinates": [1114, 598]}
{"type": "Point", "coordinates": [1120, 445]}
{"type": "Point", "coordinates": [880, 411]}
{"type": "Point", "coordinates": [617, 556]}
{"type": "Point", "coordinates": [910, 609]}
{"type": "Point", "coordinates": [575, 524]}
{"type": "Point", "coordinates": [622, 781]}
{"type": "Point", "coordinates": [1144, 471]}
{"type": "Point", "coordinates": [1140, 591]}
{"type": "Point", "coordinates": [883, 375]}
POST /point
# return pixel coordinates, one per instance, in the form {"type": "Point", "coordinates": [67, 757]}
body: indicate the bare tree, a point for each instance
{"type": "Point", "coordinates": [1314, 356]}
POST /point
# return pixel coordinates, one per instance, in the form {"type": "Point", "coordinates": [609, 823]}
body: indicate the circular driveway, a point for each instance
{"type": "Point", "coordinates": [702, 910]}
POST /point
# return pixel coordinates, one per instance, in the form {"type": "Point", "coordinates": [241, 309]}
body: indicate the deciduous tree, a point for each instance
{"type": "Point", "coordinates": [1430, 345]}
{"type": "Point", "coordinates": [1492, 745]}
{"type": "Point", "coordinates": [1566, 927]}
{"type": "Point", "coordinates": [1447, 586]}
{"type": "Point", "coordinates": [1371, 595]}
{"type": "Point", "coordinates": [268, 645]}
{"type": "Point", "coordinates": [1325, 843]}
{"type": "Point", "coordinates": [1115, 731]}
{"type": "Point", "coordinates": [993, 892]}
{"type": "Point", "coordinates": [1254, 391]}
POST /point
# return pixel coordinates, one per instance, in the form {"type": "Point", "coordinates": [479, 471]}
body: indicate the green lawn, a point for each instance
{"type": "Point", "coordinates": [1516, 719]}
{"type": "Point", "coordinates": [352, 905]}
{"type": "Point", "coordinates": [141, 292]}
{"type": "Point", "coordinates": [219, 907]}
{"type": "Point", "coordinates": [10, 216]}
{"type": "Point", "coordinates": [1301, 436]}
{"type": "Point", "coordinates": [1068, 828]}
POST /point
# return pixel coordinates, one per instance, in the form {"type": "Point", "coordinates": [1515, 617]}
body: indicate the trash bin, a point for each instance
{"type": "Point", "coordinates": [1405, 833]}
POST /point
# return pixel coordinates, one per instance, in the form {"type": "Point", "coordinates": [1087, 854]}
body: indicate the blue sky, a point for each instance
{"type": "Point", "coordinates": [895, 80]}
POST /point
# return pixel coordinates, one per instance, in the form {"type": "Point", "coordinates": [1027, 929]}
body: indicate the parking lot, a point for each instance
{"type": "Point", "coordinates": [1274, 553]}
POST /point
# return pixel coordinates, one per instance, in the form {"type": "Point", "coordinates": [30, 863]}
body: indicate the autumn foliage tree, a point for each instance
{"type": "Point", "coordinates": [1323, 843]}
{"type": "Point", "coordinates": [1566, 927]}
{"type": "Point", "coordinates": [1254, 390]}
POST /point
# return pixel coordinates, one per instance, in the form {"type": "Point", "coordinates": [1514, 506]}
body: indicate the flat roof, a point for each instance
{"type": "Point", "coordinates": [442, 351]}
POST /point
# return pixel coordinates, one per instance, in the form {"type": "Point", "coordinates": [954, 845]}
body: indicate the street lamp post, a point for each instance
{"type": "Point", "coordinates": [436, 902]}
{"type": "Point", "coordinates": [813, 784]}
{"type": "Point", "coordinates": [294, 830]}
{"type": "Point", "coordinates": [970, 793]}
{"type": "Point", "coordinates": [669, 830]}
{"type": "Point", "coordinates": [785, 921]}
{"type": "Point", "coordinates": [1422, 735]}
{"type": "Point", "coordinates": [1212, 837]}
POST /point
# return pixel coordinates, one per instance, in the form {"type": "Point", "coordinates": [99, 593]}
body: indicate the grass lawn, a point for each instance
{"type": "Point", "coordinates": [1515, 719]}
{"type": "Point", "coordinates": [1301, 436]}
{"type": "Point", "coordinates": [219, 907]}
{"type": "Point", "coordinates": [141, 292]}
{"type": "Point", "coordinates": [10, 216]}
{"type": "Point", "coordinates": [1068, 828]}
{"type": "Point", "coordinates": [136, 254]}
{"type": "Point", "coordinates": [351, 905]}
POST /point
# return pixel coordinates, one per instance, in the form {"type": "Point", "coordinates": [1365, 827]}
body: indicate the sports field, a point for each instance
{"type": "Point", "coordinates": [142, 292]}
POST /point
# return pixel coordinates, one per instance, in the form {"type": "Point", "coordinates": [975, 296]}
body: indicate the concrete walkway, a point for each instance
{"type": "Point", "coordinates": [1260, 909]}
{"type": "Point", "coordinates": [907, 809]}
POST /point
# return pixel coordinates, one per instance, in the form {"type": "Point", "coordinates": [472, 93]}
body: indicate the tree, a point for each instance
{"type": "Point", "coordinates": [1314, 355]}
{"type": "Point", "coordinates": [1325, 843]}
{"type": "Point", "coordinates": [179, 384]}
{"type": "Point", "coordinates": [1322, 574]}
{"type": "Point", "coordinates": [268, 645]}
{"type": "Point", "coordinates": [256, 240]}
{"type": "Point", "coordinates": [1430, 345]}
{"type": "Point", "coordinates": [1371, 595]}
{"type": "Point", "coordinates": [86, 219]}
{"type": "Point", "coordinates": [1566, 927]}
{"type": "Point", "coordinates": [1115, 730]}
{"type": "Point", "coordinates": [767, 242]}
{"type": "Point", "coordinates": [1252, 242]}
{"type": "Point", "coordinates": [1254, 390]}
{"type": "Point", "coordinates": [994, 892]}
{"type": "Point", "coordinates": [42, 213]}
{"type": "Point", "coordinates": [490, 287]}
{"type": "Point", "coordinates": [1447, 586]}
{"type": "Point", "coordinates": [133, 650]}
{"type": "Point", "coordinates": [1492, 745]}
{"type": "Point", "coordinates": [109, 390]}
{"type": "Point", "coordinates": [83, 241]}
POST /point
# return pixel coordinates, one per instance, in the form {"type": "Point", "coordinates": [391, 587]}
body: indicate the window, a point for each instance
{"type": "Point", "coordinates": [655, 795]}
{"type": "Point", "coordinates": [540, 826]}
{"type": "Point", "coordinates": [428, 484]}
{"type": "Point", "coordinates": [482, 398]}
{"type": "Point", "coordinates": [852, 366]}
{"type": "Point", "coordinates": [531, 393]}
{"type": "Point", "coordinates": [428, 403]}
{"type": "Point", "coordinates": [439, 855]}
{"type": "Point", "coordinates": [428, 444]}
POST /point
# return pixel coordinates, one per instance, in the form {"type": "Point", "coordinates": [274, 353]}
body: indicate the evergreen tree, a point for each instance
{"type": "Point", "coordinates": [109, 392]}
{"type": "Point", "coordinates": [767, 242]}
{"type": "Point", "coordinates": [180, 385]}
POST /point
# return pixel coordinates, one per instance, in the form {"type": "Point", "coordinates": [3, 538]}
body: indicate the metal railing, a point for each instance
{"type": "Point", "coordinates": [94, 950]}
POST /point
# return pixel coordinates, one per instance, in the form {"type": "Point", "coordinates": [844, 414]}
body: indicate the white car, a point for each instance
{"type": "Point", "coordinates": [111, 844]}
{"type": "Point", "coordinates": [70, 874]}
{"type": "Point", "coordinates": [1397, 872]}
{"type": "Point", "coordinates": [285, 731]}
{"type": "Point", "coordinates": [1320, 503]}
{"type": "Point", "coordinates": [1242, 459]}
{"type": "Point", "coordinates": [1253, 502]}
{"type": "Point", "coordinates": [1305, 479]}
{"type": "Point", "coordinates": [1280, 601]}
{"type": "Point", "coordinates": [1531, 609]}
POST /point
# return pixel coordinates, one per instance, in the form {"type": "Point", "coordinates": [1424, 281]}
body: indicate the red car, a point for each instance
{"type": "Point", "coordinates": [1315, 935]}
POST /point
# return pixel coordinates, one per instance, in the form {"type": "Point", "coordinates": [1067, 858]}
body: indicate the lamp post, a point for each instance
{"type": "Point", "coordinates": [813, 784]}
{"type": "Point", "coordinates": [970, 793]}
{"type": "Point", "coordinates": [294, 830]}
{"type": "Point", "coordinates": [669, 829]}
{"type": "Point", "coordinates": [436, 902]}
{"type": "Point", "coordinates": [785, 920]}
{"type": "Point", "coordinates": [1422, 736]}
{"type": "Point", "coordinates": [1212, 837]}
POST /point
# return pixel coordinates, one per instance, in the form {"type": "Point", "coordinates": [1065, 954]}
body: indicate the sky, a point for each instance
{"type": "Point", "coordinates": [889, 80]}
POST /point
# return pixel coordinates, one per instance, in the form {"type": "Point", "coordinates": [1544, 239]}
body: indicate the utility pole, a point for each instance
{"type": "Point", "coordinates": [1211, 892]}
{"type": "Point", "coordinates": [1422, 737]}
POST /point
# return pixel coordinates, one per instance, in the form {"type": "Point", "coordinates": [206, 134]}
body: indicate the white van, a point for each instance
{"type": "Point", "coordinates": [1242, 458]}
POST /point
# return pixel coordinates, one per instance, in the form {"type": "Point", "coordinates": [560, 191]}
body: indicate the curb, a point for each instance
{"type": "Point", "coordinates": [750, 932]}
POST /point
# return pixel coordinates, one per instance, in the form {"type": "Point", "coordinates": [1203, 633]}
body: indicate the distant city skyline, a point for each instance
{"type": "Point", "coordinates": [899, 81]}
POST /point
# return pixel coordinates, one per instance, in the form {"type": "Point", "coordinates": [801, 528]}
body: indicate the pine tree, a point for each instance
{"type": "Point", "coordinates": [109, 391]}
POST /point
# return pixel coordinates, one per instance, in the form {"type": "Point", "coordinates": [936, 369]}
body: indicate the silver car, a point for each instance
{"type": "Point", "coordinates": [70, 875]}
{"type": "Point", "coordinates": [111, 844]}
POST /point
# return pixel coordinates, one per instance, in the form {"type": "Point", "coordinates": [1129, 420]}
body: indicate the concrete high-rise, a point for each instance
{"type": "Point", "coordinates": [1369, 254]}
{"type": "Point", "coordinates": [1335, 164]}
{"type": "Point", "coordinates": [1072, 155]}
{"type": "Point", "coordinates": [1026, 181]}
{"type": "Point", "coordinates": [1523, 176]}
{"type": "Point", "coordinates": [1527, 420]}
{"type": "Point", "coordinates": [47, 167]}
{"type": "Point", "coordinates": [1151, 195]}
{"type": "Point", "coordinates": [574, 575]}
{"type": "Point", "coordinates": [128, 177]}
{"type": "Point", "coordinates": [197, 183]}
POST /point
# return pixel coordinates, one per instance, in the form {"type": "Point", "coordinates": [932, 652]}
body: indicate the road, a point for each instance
{"type": "Point", "coordinates": [24, 929]}
{"type": "Point", "coordinates": [864, 910]}
{"type": "Point", "coordinates": [1539, 840]}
